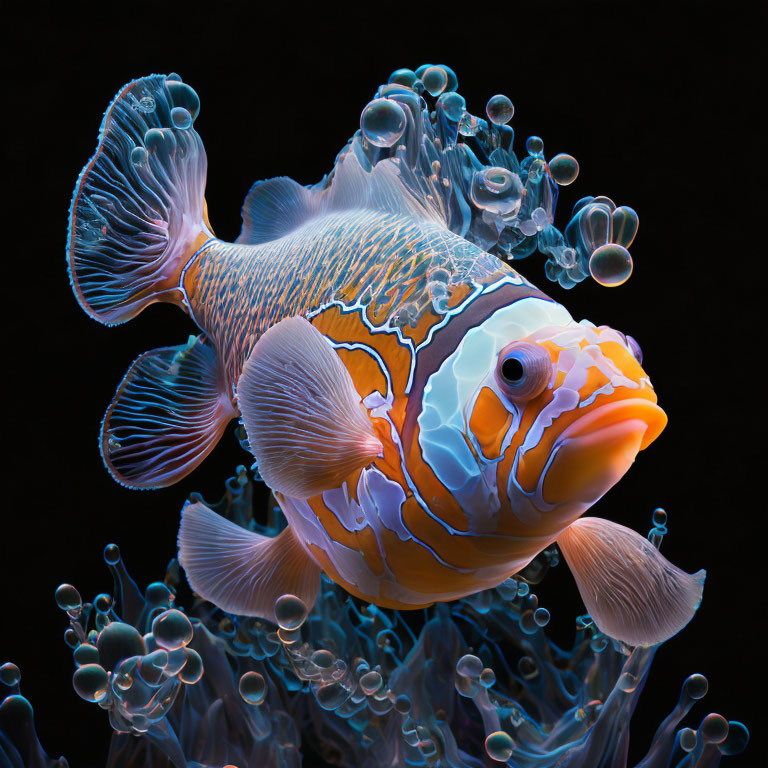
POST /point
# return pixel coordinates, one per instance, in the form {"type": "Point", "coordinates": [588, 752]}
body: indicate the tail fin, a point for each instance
{"type": "Point", "coordinates": [138, 211]}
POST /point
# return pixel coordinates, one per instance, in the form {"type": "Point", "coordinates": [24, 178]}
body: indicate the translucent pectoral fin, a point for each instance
{"type": "Point", "coordinates": [305, 423]}
{"type": "Point", "coordinates": [167, 415]}
{"type": "Point", "coordinates": [632, 592]}
{"type": "Point", "coordinates": [240, 571]}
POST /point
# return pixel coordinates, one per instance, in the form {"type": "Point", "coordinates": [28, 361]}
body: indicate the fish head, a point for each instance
{"type": "Point", "coordinates": [562, 416]}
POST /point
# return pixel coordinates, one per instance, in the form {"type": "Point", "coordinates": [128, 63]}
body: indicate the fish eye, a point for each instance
{"type": "Point", "coordinates": [523, 370]}
{"type": "Point", "coordinates": [634, 348]}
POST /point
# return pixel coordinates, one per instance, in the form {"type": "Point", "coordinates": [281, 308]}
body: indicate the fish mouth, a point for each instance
{"type": "Point", "coordinates": [592, 454]}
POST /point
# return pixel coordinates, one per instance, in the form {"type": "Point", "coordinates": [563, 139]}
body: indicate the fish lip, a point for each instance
{"type": "Point", "coordinates": [610, 414]}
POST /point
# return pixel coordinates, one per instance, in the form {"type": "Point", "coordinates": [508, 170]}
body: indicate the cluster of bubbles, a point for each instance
{"type": "Point", "coordinates": [454, 685]}
{"type": "Point", "coordinates": [502, 203]}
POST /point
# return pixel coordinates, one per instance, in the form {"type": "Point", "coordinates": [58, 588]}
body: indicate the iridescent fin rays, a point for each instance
{"type": "Point", "coordinates": [305, 423]}
{"type": "Point", "coordinates": [632, 592]}
{"type": "Point", "coordinates": [138, 211]}
{"type": "Point", "coordinates": [241, 571]}
{"type": "Point", "coordinates": [274, 208]}
{"type": "Point", "coordinates": [167, 415]}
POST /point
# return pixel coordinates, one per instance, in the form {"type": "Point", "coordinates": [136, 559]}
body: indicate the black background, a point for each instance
{"type": "Point", "coordinates": [658, 103]}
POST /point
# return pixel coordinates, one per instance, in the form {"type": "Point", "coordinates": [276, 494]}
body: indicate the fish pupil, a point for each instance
{"type": "Point", "coordinates": [512, 370]}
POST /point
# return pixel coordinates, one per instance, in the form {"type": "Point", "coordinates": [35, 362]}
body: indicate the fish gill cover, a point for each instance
{"type": "Point", "coordinates": [475, 682]}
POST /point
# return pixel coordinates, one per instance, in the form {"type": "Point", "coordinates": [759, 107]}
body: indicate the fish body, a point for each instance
{"type": "Point", "coordinates": [428, 419]}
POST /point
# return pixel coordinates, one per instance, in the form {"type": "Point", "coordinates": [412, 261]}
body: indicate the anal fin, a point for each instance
{"type": "Point", "coordinates": [632, 592]}
{"type": "Point", "coordinates": [241, 571]}
{"type": "Point", "coordinates": [167, 415]}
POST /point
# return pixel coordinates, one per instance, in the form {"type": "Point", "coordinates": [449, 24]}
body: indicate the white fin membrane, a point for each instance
{"type": "Point", "coordinates": [632, 592]}
{"type": "Point", "coordinates": [305, 423]}
{"type": "Point", "coordinates": [240, 571]}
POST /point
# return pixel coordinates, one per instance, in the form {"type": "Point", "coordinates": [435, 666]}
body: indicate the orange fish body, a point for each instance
{"type": "Point", "coordinates": [428, 420]}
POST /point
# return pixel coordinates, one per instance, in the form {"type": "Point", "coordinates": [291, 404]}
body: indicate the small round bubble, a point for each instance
{"type": "Point", "coordinates": [534, 145]}
{"type": "Point", "coordinates": [487, 677]}
{"type": "Point", "coordinates": [181, 118]}
{"type": "Point", "coordinates": [403, 705]}
{"type": "Point", "coordinates": [172, 629]}
{"type": "Point", "coordinates": [112, 554]}
{"type": "Point", "coordinates": [659, 515]}
{"type": "Point", "coordinates": [192, 670]}
{"type": "Point", "coordinates": [118, 641]}
{"type": "Point", "coordinates": [85, 653]}
{"type": "Point", "coordinates": [435, 80]}
{"type": "Point", "coordinates": [564, 169]}
{"type": "Point", "coordinates": [382, 122]}
{"type": "Point", "coordinates": [253, 688]}
{"type": "Point", "coordinates": [90, 682]}
{"type": "Point", "coordinates": [290, 612]}
{"type": "Point", "coordinates": [470, 665]}
{"type": "Point", "coordinates": [714, 728]}
{"type": "Point", "coordinates": [687, 739]}
{"type": "Point", "coordinates": [10, 674]}
{"type": "Point", "coordinates": [68, 598]}
{"type": "Point", "coordinates": [499, 745]}
{"type": "Point", "coordinates": [499, 109]}
{"type": "Point", "coordinates": [453, 105]}
{"type": "Point", "coordinates": [370, 682]}
{"type": "Point", "coordinates": [627, 682]}
{"type": "Point", "coordinates": [696, 687]}
{"type": "Point", "coordinates": [497, 190]}
{"type": "Point", "coordinates": [406, 77]}
{"type": "Point", "coordinates": [139, 156]}
{"type": "Point", "coordinates": [323, 659]}
{"type": "Point", "coordinates": [541, 617]}
{"type": "Point", "coordinates": [610, 265]}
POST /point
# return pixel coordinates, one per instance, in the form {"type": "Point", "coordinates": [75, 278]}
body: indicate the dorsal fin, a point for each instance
{"type": "Point", "coordinates": [274, 208]}
{"type": "Point", "coordinates": [389, 186]}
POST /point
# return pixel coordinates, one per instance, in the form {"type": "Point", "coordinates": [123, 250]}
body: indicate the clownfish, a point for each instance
{"type": "Point", "coordinates": [428, 420]}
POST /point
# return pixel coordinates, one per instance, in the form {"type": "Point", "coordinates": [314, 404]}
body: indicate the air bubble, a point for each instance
{"type": "Point", "coordinates": [290, 612]}
{"type": "Point", "coordinates": [695, 687]}
{"type": "Point", "coordinates": [627, 682]}
{"type": "Point", "coordinates": [453, 105]}
{"type": "Point", "coordinates": [172, 629]}
{"type": "Point", "coordinates": [534, 146]}
{"type": "Point", "coordinates": [68, 598]}
{"type": "Point", "coordinates": [499, 745]}
{"type": "Point", "coordinates": [253, 688]}
{"type": "Point", "coordinates": [499, 109]}
{"type": "Point", "coordinates": [118, 641]}
{"type": "Point", "coordinates": [85, 653]}
{"type": "Point", "coordinates": [541, 617]}
{"type": "Point", "coordinates": [470, 665]}
{"type": "Point", "coordinates": [91, 682]}
{"type": "Point", "coordinates": [138, 157]}
{"type": "Point", "coordinates": [382, 122]}
{"type": "Point", "coordinates": [688, 739]}
{"type": "Point", "coordinates": [610, 265]}
{"type": "Point", "coordinates": [181, 118]}
{"type": "Point", "coordinates": [564, 169]}
{"type": "Point", "coordinates": [192, 670]}
{"type": "Point", "coordinates": [406, 77]}
{"type": "Point", "coordinates": [435, 80]}
{"type": "Point", "coordinates": [371, 682]}
{"type": "Point", "coordinates": [497, 190]}
{"type": "Point", "coordinates": [10, 674]}
{"type": "Point", "coordinates": [112, 554]}
{"type": "Point", "coordinates": [714, 728]}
